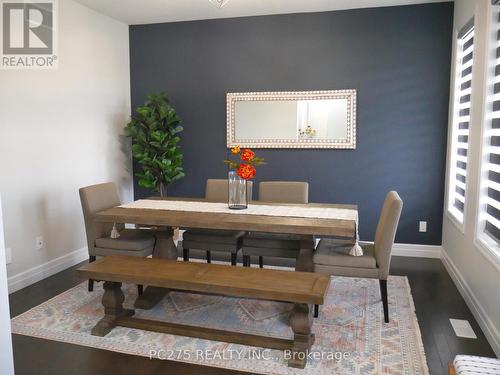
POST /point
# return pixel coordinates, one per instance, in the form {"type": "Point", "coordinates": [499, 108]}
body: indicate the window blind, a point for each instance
{"type": "Point", "coordinates": [492, 225]}
{"type": "Point", "coordinates": [463, 91]}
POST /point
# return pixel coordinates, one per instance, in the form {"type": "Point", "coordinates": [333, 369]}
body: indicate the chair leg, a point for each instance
{"type": "Point", "coordinates": [246, 260]}
{"type": "Point", "coordinates": [233, 259]}
{"type": "Point", "coordinates": [316, 311]}
{"type": "Point", "coordinates": [209, 257]}
{"type": "Point", "coordinates": [92, 258]}
{"type": "Point", "coordinates": [383, 293]}
{"type": "Point", "coordinates": [261, 262]}
{"type": "Point", "coordinates": [140, 289]}
{"type": "Point", "coordinates": [185, 255]}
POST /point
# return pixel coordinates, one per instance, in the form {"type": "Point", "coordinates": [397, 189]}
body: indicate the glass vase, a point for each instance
{"type": "Point", "coordinates": [237, 197]}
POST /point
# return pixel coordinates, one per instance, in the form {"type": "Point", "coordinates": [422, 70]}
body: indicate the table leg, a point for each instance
{"type": "Point", "coordinates": [112, 301]}
{"type": "Point", "coordinates": [164, 248]}
{"type": "Point", "coordinates": [301, 322]}
{"type": "Point", "coordinates": [305, 258]}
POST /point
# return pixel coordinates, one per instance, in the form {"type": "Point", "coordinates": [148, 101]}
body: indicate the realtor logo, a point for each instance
{"type": "Point", "coordinates": [28, 34]}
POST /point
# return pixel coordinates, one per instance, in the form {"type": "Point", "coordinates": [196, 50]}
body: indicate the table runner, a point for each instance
{"type": "Point", "coordinates": [253, 209]}
{"type": "Point", "coordinates": [256, 209]}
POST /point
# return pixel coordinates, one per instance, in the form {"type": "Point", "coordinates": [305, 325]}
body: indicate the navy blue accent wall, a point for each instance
{"type": "Point", "coordinates": [398, 60]}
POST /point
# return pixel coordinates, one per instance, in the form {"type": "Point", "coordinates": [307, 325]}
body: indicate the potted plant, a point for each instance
{"type": "Point", "coordinates": [154, 130]}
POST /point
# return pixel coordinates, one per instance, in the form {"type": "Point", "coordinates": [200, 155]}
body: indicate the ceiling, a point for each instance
{"type": "Point", "coordinates": [154, 11]}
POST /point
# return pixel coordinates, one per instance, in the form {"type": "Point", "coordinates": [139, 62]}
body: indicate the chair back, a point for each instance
{"type": "Point", "coordinates": [97, 198]}
{"type": "Point", "coordinates": [386, 232]}
{"type": "Point", "coordinates": [284, 192]}
{"type": "Point", "coordinates": [217, 190]}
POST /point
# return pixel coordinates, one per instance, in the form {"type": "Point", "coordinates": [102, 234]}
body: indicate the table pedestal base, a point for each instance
{"type": "Point", "coordinates": [165, 248]}
{"type": "Point", "coordinates": [151, 296]}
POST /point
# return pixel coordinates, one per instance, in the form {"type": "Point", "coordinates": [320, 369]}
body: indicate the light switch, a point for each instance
{"type": "Point", "coordinates": [422, 226]}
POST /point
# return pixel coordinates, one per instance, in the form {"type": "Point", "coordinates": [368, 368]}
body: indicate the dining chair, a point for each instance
{"type": "Point", "coordinates": [276, 245]}
{"type": "Point", "coordinates": [333, 258]}
{"type": "Point", "coordinates": [212, 240]}
{"type": "Point", "coordinates": [132, 242]}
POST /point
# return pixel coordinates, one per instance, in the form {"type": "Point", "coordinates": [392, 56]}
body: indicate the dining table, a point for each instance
{"type": "Point", "coordinates": [163, 214]}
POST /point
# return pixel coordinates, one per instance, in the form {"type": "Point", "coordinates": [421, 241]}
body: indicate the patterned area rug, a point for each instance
{"type": "Point", "coordinates": [351, 337]}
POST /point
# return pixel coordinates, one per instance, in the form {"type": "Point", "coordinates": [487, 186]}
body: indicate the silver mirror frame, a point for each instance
{"type": "Point", "coordinates": [344, 143]}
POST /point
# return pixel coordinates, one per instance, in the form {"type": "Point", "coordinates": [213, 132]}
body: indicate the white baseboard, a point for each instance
{"type": "Point", "coordinates": [416, 251]}
{"type": "Point", "coordinates": [487, 326]}
{"type": "Point", "coordinates": [35, 274]}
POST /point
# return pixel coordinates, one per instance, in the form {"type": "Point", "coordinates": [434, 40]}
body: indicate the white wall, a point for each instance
{"type": "Point", "coordinates": [476, 275]}
{"type": "Point", "coordinates": [6, 360]}
{"type": "Point", "coordinates": [60, 130]}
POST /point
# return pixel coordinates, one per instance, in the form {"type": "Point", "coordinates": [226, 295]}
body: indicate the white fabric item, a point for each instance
{"type": "Point", "coordinates": [254, 209]}
{"type": "Point", "coordinates": [356, 251]}
{"type": "Point", "coordinates": [346, 246]}
{"type": "Point", "coordinates": [114, 232]}
{"type": "Point", "coordinates": [473, 365]}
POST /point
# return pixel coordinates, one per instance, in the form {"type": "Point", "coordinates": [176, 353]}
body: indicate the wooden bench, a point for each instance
{"type": "Point", "coordinates": [301, 288]}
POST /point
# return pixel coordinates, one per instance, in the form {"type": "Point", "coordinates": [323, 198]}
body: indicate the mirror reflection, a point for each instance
{"type": "Point", "coordinates": [317, 119]}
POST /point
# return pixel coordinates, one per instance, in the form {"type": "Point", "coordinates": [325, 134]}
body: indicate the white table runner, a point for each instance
{"type": "Point", "coordinates": [253, 209]}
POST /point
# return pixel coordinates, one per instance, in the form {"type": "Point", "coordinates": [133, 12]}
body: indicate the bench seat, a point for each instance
{"type": "Point", "coordinates": [267, 284]}
{"type": "Point", "coordinates": [303, 289]}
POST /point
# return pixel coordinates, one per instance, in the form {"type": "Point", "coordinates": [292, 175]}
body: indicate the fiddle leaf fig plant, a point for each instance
{"type": "Point", "coordinates": [154, 130]}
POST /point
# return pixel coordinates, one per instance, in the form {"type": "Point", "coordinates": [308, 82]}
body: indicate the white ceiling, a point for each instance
{"type": "Point", "coordinates": [154, 11]}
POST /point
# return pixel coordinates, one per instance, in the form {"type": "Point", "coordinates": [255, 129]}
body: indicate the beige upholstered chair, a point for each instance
{"type": "Point", "coordinates": [228, 241]}
{"type": "Point", "coordinates": [270, 244]}
{"type": "Point", "coordinates": [133, 242]}
{"type": "Point", "coordinates": [332, 259]}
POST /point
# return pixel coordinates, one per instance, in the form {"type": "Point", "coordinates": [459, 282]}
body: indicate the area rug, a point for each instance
{"type": "Point", "coordinates": [351, 337]}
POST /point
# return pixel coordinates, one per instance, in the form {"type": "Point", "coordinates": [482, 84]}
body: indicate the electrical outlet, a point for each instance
{"type": "Point", "coordinates": [422, 226]}
{"type": "Point", "coordinates": [39, 243]}
{"type": "Point", "coordinates": [8, 255]}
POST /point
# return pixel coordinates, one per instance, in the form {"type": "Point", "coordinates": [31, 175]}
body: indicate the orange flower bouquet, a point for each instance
{"type": "Point", "coordinates": [246, 168]}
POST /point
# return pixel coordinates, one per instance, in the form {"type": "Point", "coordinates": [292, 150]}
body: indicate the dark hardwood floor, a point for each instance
{"type": "Point", "coordinates": [436, 300]}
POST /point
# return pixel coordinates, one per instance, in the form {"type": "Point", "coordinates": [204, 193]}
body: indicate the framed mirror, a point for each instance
{"type": "Point", "coordinates": [297, 119]}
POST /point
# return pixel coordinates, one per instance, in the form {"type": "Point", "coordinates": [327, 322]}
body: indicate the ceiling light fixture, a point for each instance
{"type": "Point", "coordinates": [219, 3]}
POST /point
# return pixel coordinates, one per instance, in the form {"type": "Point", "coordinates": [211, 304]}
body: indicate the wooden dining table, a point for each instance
{"type": "Point", "coordinates": [163, 221]}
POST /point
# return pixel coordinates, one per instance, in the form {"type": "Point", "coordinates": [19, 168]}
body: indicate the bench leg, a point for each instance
{"type": "Point", "coordinates": [112, 301]}
{"type": "Point", "coordinates": [233, 259]}
{"type": "Point", "coordinates": [316, 311]}
{"type": "Point", "coordinates": [164, 248]}
{"type": "Point", "coordinates": [209, 257]}
{"type": "Point", "coordinates": [301, 322]}
{"type": "Point", "coordinates": [185, 255]}
{"type": "Point", "coordinates": [261, 262]}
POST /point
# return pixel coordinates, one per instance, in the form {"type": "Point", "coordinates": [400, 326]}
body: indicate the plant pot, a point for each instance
{"type": "Point", "coordinates": [237, 197]}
